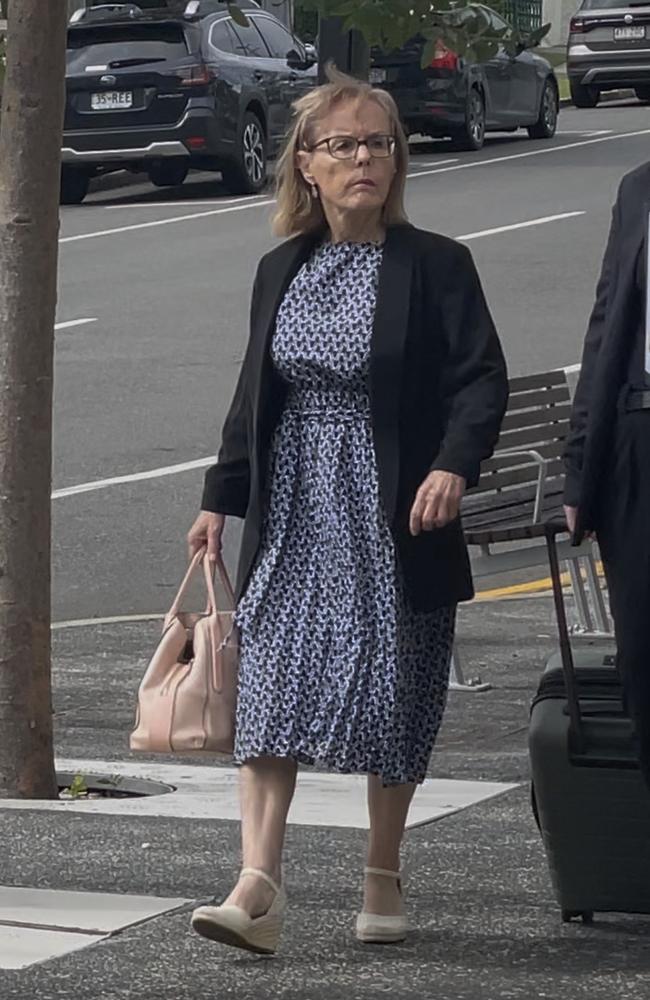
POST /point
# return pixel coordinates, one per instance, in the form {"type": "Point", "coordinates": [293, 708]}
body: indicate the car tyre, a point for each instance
{"type": "Point", "coordinates": [472, 136]}
{"type": "Point", "coordinates": [546, 125]}
{"type": "Point", "coordinates": [247, 174]}
{"type": "Point", "coordinates": [74, 185]}
{"type": "Point", "coordinates": [168, 173]}
{"type": "Point", "coordinates": [584, 97]}
{"type": "Point", "coordinates": [643, 94]}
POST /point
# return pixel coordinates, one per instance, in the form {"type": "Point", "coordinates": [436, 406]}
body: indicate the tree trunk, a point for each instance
{"type": "Point", "coordinates": [346, 49]}
{"type": "Point", "coordinates": [30, 144]}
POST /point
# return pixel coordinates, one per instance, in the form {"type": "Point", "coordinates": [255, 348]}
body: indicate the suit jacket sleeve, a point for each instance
{"type": "Point", "coordinates": [574, 450]}
{"type": "Point", "coordinates": [475, 381]}
{"type": "Point", "coordinates": [227, 484]}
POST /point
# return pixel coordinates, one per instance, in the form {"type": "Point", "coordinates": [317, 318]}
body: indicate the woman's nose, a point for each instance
{"type": "Point", "coordinates": [363, 155]}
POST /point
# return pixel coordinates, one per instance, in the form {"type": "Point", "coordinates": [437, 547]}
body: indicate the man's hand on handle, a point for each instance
{"type": "Point", "coordinates": [437, 502]}
{"type": "Point", "coordinates": [206, 532]}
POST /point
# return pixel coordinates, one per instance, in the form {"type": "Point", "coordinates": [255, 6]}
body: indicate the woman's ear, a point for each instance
{"type": "Point", "coordinates": [303, 162]}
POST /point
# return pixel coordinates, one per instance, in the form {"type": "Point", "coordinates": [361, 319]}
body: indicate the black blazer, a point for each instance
{"type": "Point", "coordinates": [612, 341]}
{"type": "Point", "coordinates": [438, 391]}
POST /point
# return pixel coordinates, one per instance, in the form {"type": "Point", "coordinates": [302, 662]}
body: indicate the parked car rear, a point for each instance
{"type": "Point", "coordinates": [464, 99]}
{"type": "Point", "coordinates": [609, 48]}
{"type": "Point", "coordinates": [162, 92]}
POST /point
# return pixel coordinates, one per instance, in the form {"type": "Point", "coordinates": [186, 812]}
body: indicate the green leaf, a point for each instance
{"type": "Point", "coordinates": [238, 15]}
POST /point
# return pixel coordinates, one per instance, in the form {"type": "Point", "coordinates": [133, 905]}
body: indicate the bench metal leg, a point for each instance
{"type": "Point", "coordinates": [585, 621]}
{"type": "Point", "coordinates": [596, 593]}
{"type": "Point", "coordinates": [457, 680]}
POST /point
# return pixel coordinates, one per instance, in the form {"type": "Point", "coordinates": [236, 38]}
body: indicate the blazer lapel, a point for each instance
{"type": "Point", "coordinates": [387, 358]}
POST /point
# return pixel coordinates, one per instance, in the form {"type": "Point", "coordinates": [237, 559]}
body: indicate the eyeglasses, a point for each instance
{"type": "Point", "coordinates": [346, 147]}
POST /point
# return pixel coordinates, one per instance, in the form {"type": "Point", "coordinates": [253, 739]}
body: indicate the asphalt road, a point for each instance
{"type": "Point", "coordinates": [165, 279]}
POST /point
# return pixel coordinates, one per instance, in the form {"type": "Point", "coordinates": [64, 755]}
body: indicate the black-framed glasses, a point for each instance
{"type": "Point", "coordinates": [346, 147]}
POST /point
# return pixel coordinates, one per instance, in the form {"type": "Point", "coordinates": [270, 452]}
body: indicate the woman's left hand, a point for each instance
{"type": "Point", "coordinates": [437, 502]}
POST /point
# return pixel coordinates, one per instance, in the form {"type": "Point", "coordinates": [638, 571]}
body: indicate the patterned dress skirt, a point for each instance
{"type": "Point", "coordinates": [336, 668]}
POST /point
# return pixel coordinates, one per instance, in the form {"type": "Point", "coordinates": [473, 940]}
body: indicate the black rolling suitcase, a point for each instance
{"type": "Point", "coordinates": [590, 801]}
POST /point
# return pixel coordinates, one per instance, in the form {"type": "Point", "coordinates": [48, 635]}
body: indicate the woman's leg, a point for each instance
{"type": "Point", "coordinates": [266, 788]}
{"type": "Point", "coordinates": [388, 809]}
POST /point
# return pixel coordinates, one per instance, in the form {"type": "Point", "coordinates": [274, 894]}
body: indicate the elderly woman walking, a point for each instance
{"type": "Point", "coordinates": [372, 388]}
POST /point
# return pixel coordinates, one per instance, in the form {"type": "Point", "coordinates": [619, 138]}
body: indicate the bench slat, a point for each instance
{"type": "Point", "coordinates": [531, 436]}
{"type": "Point", "coordinates": [536, 418]}
{"type": "Point", "coordinates": [512, 477]}
{"type": "Point", "coordinates": [550, 450]}
{"type": "Point", "coordinates": [538, 398]}
{"type": "Point", "coordinates": [524, 383]}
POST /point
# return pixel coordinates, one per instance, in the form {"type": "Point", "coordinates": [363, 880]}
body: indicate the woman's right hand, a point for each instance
{"type": "Point", "coordinates": [206, 532]}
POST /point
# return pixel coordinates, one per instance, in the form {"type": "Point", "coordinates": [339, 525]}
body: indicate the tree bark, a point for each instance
{"type": "Point", "coordinates": [30, 144]}
{"type": "Point", "coordinates": [346, 49]}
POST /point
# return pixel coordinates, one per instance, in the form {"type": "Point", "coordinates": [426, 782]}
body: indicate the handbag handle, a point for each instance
{"type": "Point", "coordinates": [201, 557]}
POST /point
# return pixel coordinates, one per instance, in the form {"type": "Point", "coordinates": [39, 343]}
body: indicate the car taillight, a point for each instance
{"type": "Point", "coordinates": [577, 26]}
{"type": "Point", "coordinates": [197, 75]}
{"type": "Point", "coordinates": [443, 57]}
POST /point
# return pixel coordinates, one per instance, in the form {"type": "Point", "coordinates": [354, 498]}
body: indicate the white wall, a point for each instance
{"type": "Point", "coordinates": [559, 13]}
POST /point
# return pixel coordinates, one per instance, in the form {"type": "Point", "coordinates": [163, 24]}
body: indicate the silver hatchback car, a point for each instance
{"type": "Point", "coordinates": [609, 48]}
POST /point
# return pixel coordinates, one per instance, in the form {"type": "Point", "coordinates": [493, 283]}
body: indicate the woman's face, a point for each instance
{"type": "Point", "coordinates": [362, 182]}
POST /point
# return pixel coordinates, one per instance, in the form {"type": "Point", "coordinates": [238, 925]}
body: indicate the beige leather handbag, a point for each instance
{"type": "Point", "coordinates": [188, 695]}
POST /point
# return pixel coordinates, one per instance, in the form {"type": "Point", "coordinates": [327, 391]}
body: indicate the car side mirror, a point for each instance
{"type": "Point", "coordinates": [295, 60]}
{"type": "Point", "coordinates": [312, 54]}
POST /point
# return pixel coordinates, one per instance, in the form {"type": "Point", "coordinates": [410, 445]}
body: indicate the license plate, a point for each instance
{"type": "Point", "coordinates": [628, 34]}
{"type": "Point", "coordinates": [112, 100]}
{"type": "Point", "coordinates": [377, 76]}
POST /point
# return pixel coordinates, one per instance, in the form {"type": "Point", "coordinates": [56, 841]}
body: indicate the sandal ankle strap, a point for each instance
{"type": "Point", "coordinates": [382, 871]}
{"type": "Point", "coordinates": [258, 873]}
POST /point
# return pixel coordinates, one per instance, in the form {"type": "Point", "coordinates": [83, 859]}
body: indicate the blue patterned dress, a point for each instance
{"type": "Point", "coordinates": [336, 669]}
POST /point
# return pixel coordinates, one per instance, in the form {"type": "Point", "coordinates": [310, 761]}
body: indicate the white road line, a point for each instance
{"type": "Point", "coordinates": [433, 163]}
{"type": "Point", "coordinates": [188, 203]}
{"type": "Point", "coordinates": [115, 620]}
{"type": "Point", "coordinates": [520, 225]}
{"type": "Point", "coordinates": [135, 477]}
{"type": "Point", "coordinates": [163, 222]}
{"type": "Point", "coordinates": [423, 173]}
{"type": "Point", "coordinates": [532, 152]}
{"type": "Point", "coordinates": [73, 322]}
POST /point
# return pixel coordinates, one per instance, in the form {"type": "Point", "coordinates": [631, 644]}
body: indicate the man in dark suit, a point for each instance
{"type": "Point", "coordinates": [608, 452]}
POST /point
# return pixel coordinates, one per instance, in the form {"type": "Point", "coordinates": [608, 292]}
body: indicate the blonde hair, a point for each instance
{"type": "Point", "coordinates": [297, 211]}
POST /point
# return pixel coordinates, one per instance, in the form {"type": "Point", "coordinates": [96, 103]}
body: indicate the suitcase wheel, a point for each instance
{"type": "Point", "coordinates": [568, 916]}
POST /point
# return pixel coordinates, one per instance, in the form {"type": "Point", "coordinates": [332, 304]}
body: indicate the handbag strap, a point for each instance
{"type": "Point", "coordinates": [201, 557]}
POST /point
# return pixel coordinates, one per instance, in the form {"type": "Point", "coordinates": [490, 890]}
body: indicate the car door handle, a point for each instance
{"type": "Point", "coordinates": [258, 75]}
{"type": "Point", "coordinates": [293, 77]}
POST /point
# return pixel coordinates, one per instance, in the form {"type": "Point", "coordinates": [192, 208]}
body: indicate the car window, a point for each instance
{"type": "Point", "coordinates": [498, 26]}
{"type": "Point", "coordinates": [108, 45]}
{"type": "Point", "coordinates": [278, 40]}
{"type": "Point", "coordinates": [248, 41]}
{"type": "Point", "coordinates": [222, 38]}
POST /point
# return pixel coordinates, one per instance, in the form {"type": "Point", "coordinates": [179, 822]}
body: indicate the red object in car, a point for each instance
{"type": "Point", "coordinates": [577, 26]}
{"type": "Point", "coordinates": [197, 75]}
{"type": "Point", "coordinates": [444, 57]}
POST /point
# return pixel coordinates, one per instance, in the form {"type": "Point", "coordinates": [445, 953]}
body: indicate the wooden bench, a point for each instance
{"type": "Point", "coordinates": [520, 488]}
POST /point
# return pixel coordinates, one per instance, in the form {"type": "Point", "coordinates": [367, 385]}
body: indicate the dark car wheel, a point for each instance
{"type": "Point", "coordinates": [247, 174]}
{"type": "Point", "coordinates": [546, 125]}
{"type": "Point", "coordinates": [643, 94]}
{"type": "Point", "coordinates": [472, 136]}
{"type": "Point", "coordinates": [168, 173]}
{"type": "Point", "coordinates": [74, 186]}
{"type": "Point", "coordinates": [584, 97]}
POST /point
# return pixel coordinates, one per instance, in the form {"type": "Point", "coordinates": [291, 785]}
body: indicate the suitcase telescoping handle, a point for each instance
{"type": "Point", "coordinates": [552, 530]}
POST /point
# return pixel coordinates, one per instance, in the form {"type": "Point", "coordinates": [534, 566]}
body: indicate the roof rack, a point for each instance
{"type": "Point", "coordinates": [106, 10]}
{"type": "Point", "coordinates": [199, 8]}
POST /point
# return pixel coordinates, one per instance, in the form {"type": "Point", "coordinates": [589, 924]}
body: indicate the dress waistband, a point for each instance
{"type": "Point", "coordinates": [337, 401]}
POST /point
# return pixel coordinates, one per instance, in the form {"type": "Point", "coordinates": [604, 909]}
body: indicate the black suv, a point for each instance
{"type": "Point", "coordinates": [166, 88]}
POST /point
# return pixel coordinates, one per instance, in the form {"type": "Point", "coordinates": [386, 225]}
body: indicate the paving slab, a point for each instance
{"type": "Point", "coordinates": [80, 912]}
{"type": "Point", "coordinates": [212, 793]}
{"type": "Point", "coordinates": [21, 947]}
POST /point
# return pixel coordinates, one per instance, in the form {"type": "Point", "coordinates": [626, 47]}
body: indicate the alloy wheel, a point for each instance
{"type": "Point", "coordinates": [476, 118]}
{"type": "Point", "coordinates": [550, 109]}
{"type": "Point", "coordinates": [253, 143]}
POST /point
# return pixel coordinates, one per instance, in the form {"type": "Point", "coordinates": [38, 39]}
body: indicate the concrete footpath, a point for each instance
{"type": "Point", "coordinates": [95, 896]}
